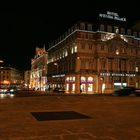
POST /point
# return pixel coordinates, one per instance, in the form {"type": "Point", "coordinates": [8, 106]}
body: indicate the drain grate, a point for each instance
{"type": "Point", "coordinates": [59, 115]}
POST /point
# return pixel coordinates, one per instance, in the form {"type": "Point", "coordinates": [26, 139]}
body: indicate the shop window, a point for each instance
{"type": "Point", "coordinates": [90, 79]}
{"type": "Point", "coordinates": [72, 50]}
{"type": "Point", "coordinates": [83, 79]}
{"type": "Point", "coordinates": [83, 45]}
{"type": "Point", "coordinates": [75, 49]}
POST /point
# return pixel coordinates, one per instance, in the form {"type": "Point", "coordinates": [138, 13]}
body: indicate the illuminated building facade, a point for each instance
{"type": "Point", "coordinates": [27, 75]}
{"type": "Point", "coordinates": [10, 77]}
{"type": "Point", "coordinates": [38, 77]}
{"type": "Point", "coordinates": [95, 57]}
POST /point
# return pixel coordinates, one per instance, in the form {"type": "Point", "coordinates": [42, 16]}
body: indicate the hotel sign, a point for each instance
{"type": "Point", "coordinates": [118, 74]}
{"type": "Point", "coordinates": [112, 15]}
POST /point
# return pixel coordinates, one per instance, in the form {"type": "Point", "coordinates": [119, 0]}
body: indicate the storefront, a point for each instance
{"type": "Point", "coordinates": [86, 84]}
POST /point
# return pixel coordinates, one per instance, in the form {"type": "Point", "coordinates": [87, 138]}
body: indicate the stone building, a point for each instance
{"type": "Point", "coordinates": [38, 79]}
{"type": "Point", "coordinates": [95, 57]}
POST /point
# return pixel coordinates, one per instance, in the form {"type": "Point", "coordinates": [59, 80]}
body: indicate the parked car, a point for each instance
{"type": "Point", "coordinates": [11, 90]}
{"type": "Point", "coordinates": [3, 90]}
{"type": "Point", "coordinates": [59, 90]}
{"type": "Point", "coordinates": [127, 91]}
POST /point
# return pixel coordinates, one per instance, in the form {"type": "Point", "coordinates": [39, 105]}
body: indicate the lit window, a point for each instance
{"type": "Point", "coordinates": [67, 78]}
{"type": "Point", "coordinates": [83, 79]}
{"type": "Point", "coordinates": [72, 50]}
{"type": "Point", "coordinates": [75, 49]}
{"type": "Point", "coordinates": [137, 69]}
{"type": "Point", "coordinates": [66, 53]}
{"type": "Point", "coordinates": [73, 78]}
{"type": "Point", "coordinates": [117, 52]}
{"type": "Point", "coordinates": [90, 79]}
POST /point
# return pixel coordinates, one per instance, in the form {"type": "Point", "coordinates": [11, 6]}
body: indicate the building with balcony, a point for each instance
{"type": "Point", "coordinates": [38, 79]}
{"type": "Point", "coordinates": [95, 57]}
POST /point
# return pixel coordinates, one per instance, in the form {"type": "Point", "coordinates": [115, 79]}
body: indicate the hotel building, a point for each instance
{"type": "Point", "coordinates": [95, 57]}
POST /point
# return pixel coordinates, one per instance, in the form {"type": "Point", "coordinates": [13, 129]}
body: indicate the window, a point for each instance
{"type": "Point", "coordinates": [75, 48]}
{"type": "Point", "coordinates": [90, 46]}
{"type": "Point", "coordinates": [102, 27]}
{"type": "Point", "coordinates": [90, 36]}
{"type": "Point", "coordinates": [83, 45]}
{"type": "Point", "coordinates": [116, 29]}
{"type": "Point", "coordinates": [122, 31]}
{"type": "Point", "coordinates": [86, 35]}
{"type": "Point", "coordinates": [90, 65]}
{"type": "Point", "coordinates": [129, 32]}
{"type": "Point", "coordinates": [90, 79]}
{"type": "Point", "coordinates": [109, 28]}
{"type": "Point", "coordinates": [89, 26]}
{"type": "Point", "coordinates": [110, 64]}
{"type": "Point", "coordinates": [135, 34]}
{"type": "Point", "coordinates": [66, 53]}
{"type": "Point", "coordinates": [102, 47]}
{"type": "Point", "coordinates": [82, 26]}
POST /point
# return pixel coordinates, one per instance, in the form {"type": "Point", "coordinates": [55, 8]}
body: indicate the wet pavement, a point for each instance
{"type": "Point", "coordinates": [69, 117]}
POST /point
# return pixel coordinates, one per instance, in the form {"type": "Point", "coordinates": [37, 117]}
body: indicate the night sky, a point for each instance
{"type": "Point", "coordinates": [23, 27]}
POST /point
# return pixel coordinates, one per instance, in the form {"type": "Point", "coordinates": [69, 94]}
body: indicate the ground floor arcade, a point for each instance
{"type": "Point", "coordinates": [92, 83]}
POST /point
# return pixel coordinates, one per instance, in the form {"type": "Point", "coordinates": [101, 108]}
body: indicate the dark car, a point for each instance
{"type": "Point", "coordinates": [11, 90]}
{"type": "Point", "coordinates": [127, 91]}
{"type": "Point", "coordinates": [60, 90]}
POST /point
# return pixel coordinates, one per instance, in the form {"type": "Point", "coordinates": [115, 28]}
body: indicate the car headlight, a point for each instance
{"type": "Point", "coordinates": [11, 90]}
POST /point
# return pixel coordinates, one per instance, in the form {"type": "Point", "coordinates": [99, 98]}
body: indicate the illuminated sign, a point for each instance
{"type": "Point", "coordinates": [112, 15]}
{"type": "Point", "coordinates": [60, 75]}
{"type": "Point", "coordinates": [118, 74]}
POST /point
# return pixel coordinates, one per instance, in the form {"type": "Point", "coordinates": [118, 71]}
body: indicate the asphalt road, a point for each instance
{"type": "Point", "coordinates": [69, 117]}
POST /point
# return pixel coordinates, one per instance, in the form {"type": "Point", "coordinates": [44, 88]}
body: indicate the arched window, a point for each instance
{"type": "Point", "coordinates": [83, 79]}
{"type": "Point", "coordinates": [90, 79]}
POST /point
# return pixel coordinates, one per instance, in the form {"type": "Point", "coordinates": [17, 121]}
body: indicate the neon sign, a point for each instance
{"type": "Point", "coordinates": [112, 15]}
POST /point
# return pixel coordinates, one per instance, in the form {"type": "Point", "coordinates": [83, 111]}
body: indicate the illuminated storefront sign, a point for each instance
{"type": "Point", "coordinates": [61, 75]}
{"type": "Point", "coordinates": [118, 74]}
{"type": "Point", "coordinates": [112, 15]}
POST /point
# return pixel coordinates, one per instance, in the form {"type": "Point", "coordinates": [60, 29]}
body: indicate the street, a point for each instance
{"type": "Point", "coordinates": [69, 117]}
